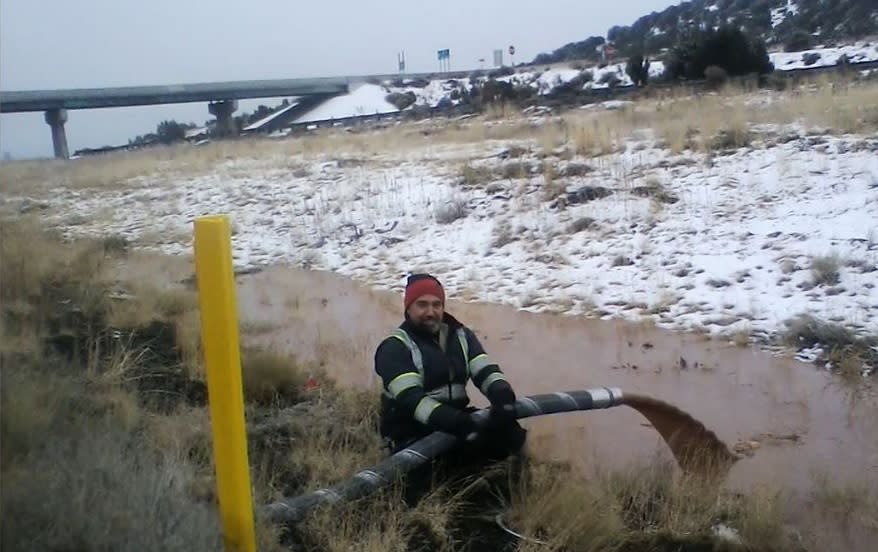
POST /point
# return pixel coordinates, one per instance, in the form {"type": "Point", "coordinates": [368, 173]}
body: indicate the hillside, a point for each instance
{"type": "Point", "coordinates": [783, 24]}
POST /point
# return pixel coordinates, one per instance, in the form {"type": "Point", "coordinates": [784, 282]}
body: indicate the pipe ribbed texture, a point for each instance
{"type": "Point", "coordinates": [430, 447]}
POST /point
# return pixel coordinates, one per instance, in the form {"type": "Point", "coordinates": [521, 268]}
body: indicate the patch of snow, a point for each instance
{"type": "Point", "coordinates": [779, 15]}
{"type": "Point", "coordinates": [555, 77]}
{"type": "Point", "coordinates": [270, 117]}
{"type": "Point", "coordinates": [856, 53]}
{"type": "Point", "coordinates": [193, 132]}
{"type": "Point", "coordinates": [726, 533]}
{"type": "Point", "coordinates": [367, 99]}
{"type": "Point", "coordinates": [609, 105]}
{"type": "Point", "coordinates": [434, 92]}
{"type": "Point", "coordinates": [656, 68]}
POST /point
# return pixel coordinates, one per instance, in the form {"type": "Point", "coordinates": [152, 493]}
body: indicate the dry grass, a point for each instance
{"type": "Point", "coordinates": [101, 279]}
{"type": "Point", "coordinates": [503, 234]}
{"type": "Point", "coordinates": [825, 270]}
{"type": "Point", "coordinates": [451, 210]}
{"type": "Point", "coordinates": [639, 507]}
{"type": "Point", "coordinates": [476, 175]}
{"type": "Point", "coordinates": [351, 441]}
{"type": "Point", "coordinates": [742, 337]}
{"type": "Point", "coordinates": [76, 472]}
{"type": "Point", "coordinates": [552, 188]}
{"type": "Point", "coordinates": [272, 379]}
{"type": "Point", "coordinates": [598, 136]}
{"type": "Point", "coordinates": [105, 464]}
{"type": "Point", "coordinates": [848, 353]}
{"type": "Point", "coordinates": [383, 523]}
{"type": "Point", "coordinates": [850, 503]}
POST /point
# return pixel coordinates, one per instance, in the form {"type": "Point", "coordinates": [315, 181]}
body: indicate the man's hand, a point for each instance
{"type": "Point", "coordinates": [501, 393]}
{"type": "Point", "coordinates": [502, 405]}
{"type": "Point", "coordinates": [465, 427]}
{"type": "Point", "coordinates": [502, 414]}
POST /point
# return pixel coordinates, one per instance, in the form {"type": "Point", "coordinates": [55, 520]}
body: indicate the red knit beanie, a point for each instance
{"type": "Point", "coordinates": [422, 284]}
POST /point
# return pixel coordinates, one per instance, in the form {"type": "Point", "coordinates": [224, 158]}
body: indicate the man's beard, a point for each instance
{"type": "Point", "coordinates": [430, 325]}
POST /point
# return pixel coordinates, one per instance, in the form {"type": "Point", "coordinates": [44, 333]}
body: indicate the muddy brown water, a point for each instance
{"type": "Point", "coordinates": [790, 418]}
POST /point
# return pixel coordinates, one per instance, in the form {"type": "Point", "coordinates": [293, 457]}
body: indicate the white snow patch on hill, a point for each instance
{"type": "Point", "coordinates": [367, 99]}
{"type": "Point", "coordinates": [856, 53]}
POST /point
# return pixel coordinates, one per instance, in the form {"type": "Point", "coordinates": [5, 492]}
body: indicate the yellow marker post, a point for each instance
{"type": "Point", "coordinates": [219, 337]}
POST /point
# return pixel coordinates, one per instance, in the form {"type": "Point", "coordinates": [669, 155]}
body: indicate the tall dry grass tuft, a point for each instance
{"type": "Point", "coordinates": [383, 523]}
{"type": "Point", "coordinates": [639, 507]}
{"type": "Point", "coordinates": [848, 503]}
{"type": "Point", "coordinates": [275, 379]}
{"type": "Point", "coordinates": [602, 135]}
{"type": "Point", "coordinates": [77, 473]}
{"type": "Point", "coordinates": [345, 441]}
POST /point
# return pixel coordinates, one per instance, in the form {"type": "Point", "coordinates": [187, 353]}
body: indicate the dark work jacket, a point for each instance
{"type": "Point", "coordinates": [442, 369]}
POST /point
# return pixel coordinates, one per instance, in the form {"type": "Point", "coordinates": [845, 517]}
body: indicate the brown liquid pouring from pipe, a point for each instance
{"type": "Point", "coordinates": [698, 450]}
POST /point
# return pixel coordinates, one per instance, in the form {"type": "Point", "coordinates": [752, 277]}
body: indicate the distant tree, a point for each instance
{"type": "Point", "coordinates": [715, 76]}
{"type": "Point", "coordinates": [726, 47]}
{"type": "Point", "coordinates": [401, 100]}
{"type": "Point", "coordinates": [169, 132]}
{"type": "Point", "coordinates": [585, 49]}
{"type": "Point", "coordinates": [637, 69]}
{"type": "Point", "coordinates": [798, 40]}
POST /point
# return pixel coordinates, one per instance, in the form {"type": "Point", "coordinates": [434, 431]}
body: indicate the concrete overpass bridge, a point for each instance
{"type": "Point", "coordinates": [222, 97]}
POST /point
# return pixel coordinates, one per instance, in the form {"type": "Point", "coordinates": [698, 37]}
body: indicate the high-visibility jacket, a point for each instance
{"type": "Point", "coordinates": [425, 377]}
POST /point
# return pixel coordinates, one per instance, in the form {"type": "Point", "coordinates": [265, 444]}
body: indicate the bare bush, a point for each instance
{"type": "Point", "coordinates": [452, 210]}
{"type": "Point", "coordinates": [476, 175]}
{"type": "Point", "coordinates": [825, 270]}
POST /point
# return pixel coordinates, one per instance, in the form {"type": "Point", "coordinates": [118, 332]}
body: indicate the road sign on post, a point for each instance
{"type": "Point", "coordinates": [512, 54]}
{"type": "Point", "coordinates": [498, 58]}
{"type": "Point", "coordinates": [219, 337]}
{"type": "Point", "coordinates": [444, 56]}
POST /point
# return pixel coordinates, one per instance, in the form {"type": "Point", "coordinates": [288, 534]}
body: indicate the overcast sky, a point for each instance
{"type": "Point", "coordinates": [47, 44]}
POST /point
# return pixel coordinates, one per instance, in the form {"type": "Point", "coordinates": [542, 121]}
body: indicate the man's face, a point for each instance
{"type": "Point", "coordinates": [426, 311]}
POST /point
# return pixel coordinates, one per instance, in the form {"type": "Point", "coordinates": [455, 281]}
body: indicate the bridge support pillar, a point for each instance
{"type": "Point", "coordinates": [223, 110]}
{"type": "Point", "coordinates": [56, 119]}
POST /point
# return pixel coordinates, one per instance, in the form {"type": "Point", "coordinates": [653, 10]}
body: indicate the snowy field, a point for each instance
{"type": "Point", "coordinates": [731, 242]}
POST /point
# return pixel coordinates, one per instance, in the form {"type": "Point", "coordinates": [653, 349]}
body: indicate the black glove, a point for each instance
{"type": "Point", "coordinates": [465, 427]}
{"type": "Point", "coordinates": [455, 421]}
{"type": "Point", "coordinates": [502, 415]}
{"type": "Point", "coordinates": [501, 393]}
{"type": "Point", "coordinates": [502, 404]}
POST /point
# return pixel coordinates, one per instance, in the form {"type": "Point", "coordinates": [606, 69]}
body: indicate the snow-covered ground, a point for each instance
{"type": "Point", "coordinates": [779, 15]}
{"type": "Point", "coordinates": [856, 53]}
{"type": "Point", "coordinates": [724, 243]}
{"type": "Point", "coordinates": [366, 99]}
{"type": "Point", "coordinates": [270, 117]}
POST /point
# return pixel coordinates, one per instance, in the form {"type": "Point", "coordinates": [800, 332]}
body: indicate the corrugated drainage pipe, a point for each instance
{"type": "Point", "coordinates": [292, 510]}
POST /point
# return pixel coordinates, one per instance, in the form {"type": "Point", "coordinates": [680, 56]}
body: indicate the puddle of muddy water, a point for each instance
{"type": "Point", "coordinates": [788, 417]}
